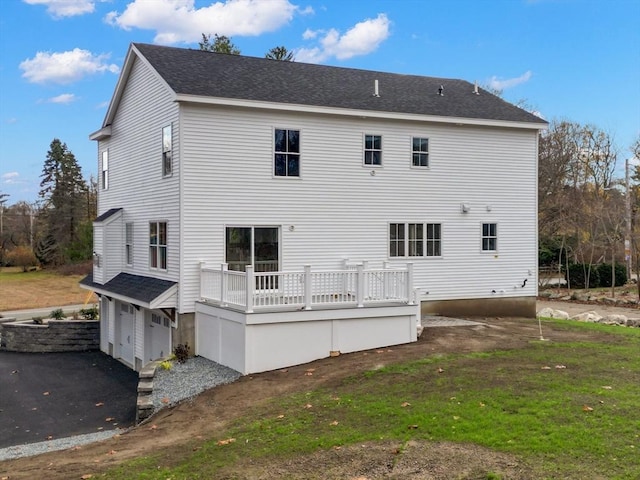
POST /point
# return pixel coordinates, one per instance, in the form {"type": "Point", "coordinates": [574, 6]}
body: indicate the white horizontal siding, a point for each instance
{"type": "Point", "coordinates": [136, 183]}
{"type": "Point", "coordinates": [339, 210]}
{"type": "Point", "coordinates": [98, 248]}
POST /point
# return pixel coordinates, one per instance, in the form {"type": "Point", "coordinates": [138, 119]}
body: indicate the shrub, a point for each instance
{"type": "Point", "coordinates": [166, 365]}
{"type": "Point", "coordinates": [604, 273]}
{"type": "Point", "coordinates": [37, 320]}
{"type": "Point", "coordinates": [577, 275]}
{"type": "Point", "coordinates": [89, 313]}
{"type": "Point", "coordinates": [182, 352]}
{"type": "Point", "coordinates": [22, 257]}
{"type": "Point", "coordinates": [57, 314]}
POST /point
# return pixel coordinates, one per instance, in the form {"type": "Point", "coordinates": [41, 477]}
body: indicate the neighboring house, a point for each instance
{"type": "Point", "coordinates": [270, 213]}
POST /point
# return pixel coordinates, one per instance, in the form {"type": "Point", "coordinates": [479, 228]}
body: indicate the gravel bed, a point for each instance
{"type": "Point", "coordinates": [183, 381]}
{"type": "Point", "coordinates": [186, 380]}
{"type": "Point", "coordinates": [29, 449]}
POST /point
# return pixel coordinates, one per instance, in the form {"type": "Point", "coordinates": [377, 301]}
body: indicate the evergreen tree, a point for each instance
{"type": "Point", "coordinates": [220, 44]}
{"type": "Point", "coordinates": [280, 53]}
{"type": "Point", "coordinates": [63, 192]}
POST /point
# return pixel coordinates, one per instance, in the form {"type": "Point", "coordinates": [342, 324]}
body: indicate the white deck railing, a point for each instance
{"type": "Point", "coordinates": [359, 287]}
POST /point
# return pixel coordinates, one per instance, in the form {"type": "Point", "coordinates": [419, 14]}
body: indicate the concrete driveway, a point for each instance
{"type": "Point", "coordinates": [45, 396]}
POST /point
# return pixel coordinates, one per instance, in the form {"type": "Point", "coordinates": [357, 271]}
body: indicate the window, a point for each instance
{"type": "Point", "coordinates": [167, 146]}
{"type": "Point", "coordinates": [415, 240]}
{"type": "Point", "coordinates": [489, 237]}
{"type": "Point", "coordinates": [433, 240]}
{"type": "Point", "coordinates": [158, 245]}
{"type": "Point", "coordinates": [257, 246]}
{"type": "Point", "coordinates": [287, 153]}
{"type": "Point", "coordinates": [420, 152]}
{"type": "Point", "coordinates": [373, 150]}
{"type": "Point", "coordinates": [128, 243]}
{"type": "Point", "coordinates": [105, 170]}
{"type": "Point", "coordinates": [396, 240]}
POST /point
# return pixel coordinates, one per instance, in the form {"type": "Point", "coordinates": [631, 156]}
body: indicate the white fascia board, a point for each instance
{"type": "Point", "coordinates": [291, 107]}
{"type": "Point", "coordinates": [101, 134]}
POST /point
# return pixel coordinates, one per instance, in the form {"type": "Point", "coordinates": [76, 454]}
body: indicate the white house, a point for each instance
{"type": "Point", "coordinates": [270, 213]}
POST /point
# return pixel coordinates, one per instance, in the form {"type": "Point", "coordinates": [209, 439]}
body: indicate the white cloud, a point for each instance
{"type": "Point", "coordinates": [65, 8]}
{"type": "Point", "coordinates": [11, 120]}
{"type": "Point", "coordinates": [179, 21]}
{"type": "Point", "coordinates": [309, 34]}
{"type": "Point", "coordinates": [10, 177]}
{"type": "Point", "coordinates": [363, 38]}
{"type": "Point", "coordinates": [65, 67]}
{"type": "Point", "coordinates": [103, 104]}
{"type": "Point", "coordinates": [63, 98]}
{"type": "Point", "coordinates": [498, 84]}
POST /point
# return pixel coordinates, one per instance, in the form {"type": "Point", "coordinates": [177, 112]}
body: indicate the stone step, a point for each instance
{"type": "Point", "coordinates": [144, 403]}
{"type": "Point", "coordinates": [145, 386]}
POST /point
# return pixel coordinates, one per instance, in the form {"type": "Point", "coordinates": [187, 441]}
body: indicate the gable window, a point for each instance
{"type": "Point", "coordinates": [286, 153]}
{"type": "Point", "coordinates": [158, 245]}
{"type": "Point", "coordinates": [167, 148]}
{"type": "Point", "coordinates": [415, 240]}
{"type": "Point", "coordinates": [420, 152]}
{"type": "Point", "coordinates": [128, 243]}
{"type": "Point", "coordinates": [373, 150]}
{"type": "Point", "coordinates": [105, 170]}
{"type": "Point", "coordinates": [489, 237]}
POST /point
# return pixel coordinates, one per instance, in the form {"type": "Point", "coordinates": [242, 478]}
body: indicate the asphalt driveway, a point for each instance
{"type": "Point", "coordinates": [45, 396]}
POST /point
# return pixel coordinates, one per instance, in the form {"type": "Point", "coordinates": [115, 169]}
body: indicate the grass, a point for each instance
{"type": "Point", "coordinates": [41, 288]}
{"type": "Point", "coordinates": [569, 409]}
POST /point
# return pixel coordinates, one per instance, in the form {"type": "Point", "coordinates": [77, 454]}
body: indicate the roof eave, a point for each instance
{"type": "Point", "coordinates": [102, 134]}
{"type": "Point", "coordinates": [235, 102]}
{"type": "Point", "coordinates": [167, 299]}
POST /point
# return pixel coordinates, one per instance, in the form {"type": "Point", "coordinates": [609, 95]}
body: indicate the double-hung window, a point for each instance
{"type": "Point", "coordinates": [158, 245]}
{"type": "Point", "coordinates": [105, 170]}
{"type": "Point", "coordinates": [489, 237]}
{"type": "Point", "coordinates": [167, 149]}
{"type": "Point", "coordinates": [420, 152]}
{"type": "Point", "coordinates": [415, 240]}
{"type": "Point", "coordinates": [373, 150]}
{"type": "Point", "coordinates": [128, 246]}
{"type": "Point", "coordinates": [286, 153]}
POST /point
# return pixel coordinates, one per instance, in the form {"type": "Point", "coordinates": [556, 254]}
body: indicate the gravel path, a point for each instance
{"type": "Point", "coordinates": [182, 382]}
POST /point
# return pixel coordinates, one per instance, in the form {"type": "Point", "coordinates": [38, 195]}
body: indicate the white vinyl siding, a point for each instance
{"type": "Point", "coordinates": [135, 180]}
{"type": "Point", "coordinates": [339, 210]}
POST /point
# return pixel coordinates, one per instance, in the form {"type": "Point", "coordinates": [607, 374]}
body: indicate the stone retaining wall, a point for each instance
{"type": "Point", "coordinates": [55, 336]}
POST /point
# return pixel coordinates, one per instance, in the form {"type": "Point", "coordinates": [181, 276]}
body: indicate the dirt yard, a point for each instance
{"type": "Point", "coordinates": [180, 430]}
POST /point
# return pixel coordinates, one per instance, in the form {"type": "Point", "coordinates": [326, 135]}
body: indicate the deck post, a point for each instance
{"type": "Point", "coordinates": [360, 285]}
{"type": "Point", "coordinates": [410, 295]}
{"type": "Point", "coordinates": [223, 284]}
{"type": "Point", "coordinates": [308, 297]}
{"type": "Point", "coordinates": [202, 280]}
{"type": "Point", "coordinates": [249, 289]}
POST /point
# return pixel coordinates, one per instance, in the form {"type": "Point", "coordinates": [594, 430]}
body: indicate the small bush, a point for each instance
{"type": "Point", "coordinates": [22, 257]}
{"type": "Point", "coordinates": [182, 352]}
{"type": "Point", "coordinates": [89, 313]}
{"type": "Point", "coordinates": [604, 273]}
{"type": "Point", "coordinates": [57, 314]}
{"type": "Point", "coordinates": [577, 275]}
{"type": "Point", "coordinates": [166, 365]}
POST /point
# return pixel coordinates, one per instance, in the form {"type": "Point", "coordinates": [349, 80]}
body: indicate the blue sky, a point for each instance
{"type": "Point", "coordinates": [59, 59]}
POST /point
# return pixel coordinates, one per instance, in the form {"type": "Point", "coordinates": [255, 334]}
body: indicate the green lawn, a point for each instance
{"type": "Point", "coordinates": [570, 410]}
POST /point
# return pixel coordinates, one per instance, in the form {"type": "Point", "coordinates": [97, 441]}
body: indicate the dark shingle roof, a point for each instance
{"type": "Point", "coordinates": [202, 73]}
{"type": "Point", "coordinates": [107, 214]}
{"type": "Point", "coordinates": [136, 287]}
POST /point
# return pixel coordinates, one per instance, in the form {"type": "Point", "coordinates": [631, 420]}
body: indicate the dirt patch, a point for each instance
{"type": "Point", "coordinates": [178, 431]}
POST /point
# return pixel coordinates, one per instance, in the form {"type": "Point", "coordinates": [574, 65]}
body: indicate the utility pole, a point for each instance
{"type": "Point", "coordinates": [627, 205]}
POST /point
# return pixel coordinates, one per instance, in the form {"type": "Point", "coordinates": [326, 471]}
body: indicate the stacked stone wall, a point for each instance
{"type": "Point", "coordinates": [54, 336]}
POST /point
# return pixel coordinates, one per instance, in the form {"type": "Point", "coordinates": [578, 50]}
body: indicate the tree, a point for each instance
{"type": "Point", "coordinates": [63, 191]}
{"type": "Point", "coordinates": [220, 44]}
{"type": "Point", "coordinates": [280, 53]}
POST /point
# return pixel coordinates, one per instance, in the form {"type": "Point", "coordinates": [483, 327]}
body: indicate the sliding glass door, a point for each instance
{"type": "Point", "coordinates": [257, 246]}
